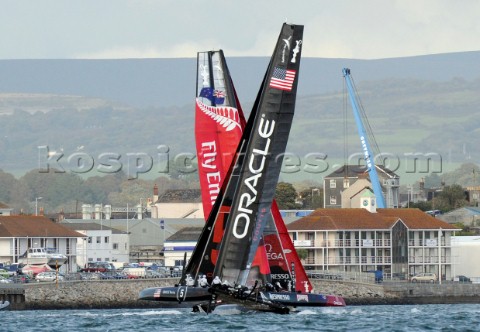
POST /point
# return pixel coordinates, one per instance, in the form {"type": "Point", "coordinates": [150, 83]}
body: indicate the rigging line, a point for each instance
{"type": "Point", "coordinates": [345, 131]}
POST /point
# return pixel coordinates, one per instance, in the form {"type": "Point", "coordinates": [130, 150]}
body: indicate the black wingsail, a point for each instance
{"type": "Point", "coordinates": [236, 227]}
{"type": "Point", "coordinates": [259, 168]}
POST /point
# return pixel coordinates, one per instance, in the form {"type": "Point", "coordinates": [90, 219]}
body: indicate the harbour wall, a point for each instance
{"type": "Point", "coordinates": [102, 294]}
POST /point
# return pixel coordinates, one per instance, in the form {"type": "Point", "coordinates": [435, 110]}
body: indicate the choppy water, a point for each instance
{"type": "Point", "coordinates": [456, 317]}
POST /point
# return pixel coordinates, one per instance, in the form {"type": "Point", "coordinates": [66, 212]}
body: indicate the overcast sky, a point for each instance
{"type": "Point", "coordinates": [360, 29]}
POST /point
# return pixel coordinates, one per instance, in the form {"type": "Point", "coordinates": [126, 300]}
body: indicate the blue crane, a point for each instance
{"type": "Point", "coordinates": [367, 151]}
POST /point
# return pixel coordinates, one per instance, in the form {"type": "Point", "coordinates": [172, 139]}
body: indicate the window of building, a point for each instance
{"type": "Point", "coordinates": [107, 259]}
{"type": "Point", "coordinates": [90, 259]}
{"type": "Point", "coordinates": [99, 259]}
{"type": "Point", "coordinates": [179, 262]}
{"type": "Point", "coordinates": [99, 239]}
{"type": "Point", "coordinates": [106, 239]}
{"type": "Point", "coordinates": [333, 184]}
{"type": "Point", "coordinates": [115, 246]}
{"type": "Point", "coordinates": [333, 200]}
{"type": "Point", "coordinates": [346, 183]}
{"type": "Point", "coordinates": [89, 239]}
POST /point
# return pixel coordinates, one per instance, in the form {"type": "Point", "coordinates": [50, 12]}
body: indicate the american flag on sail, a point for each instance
{"type": "Point", "coordinates": [282, 79]}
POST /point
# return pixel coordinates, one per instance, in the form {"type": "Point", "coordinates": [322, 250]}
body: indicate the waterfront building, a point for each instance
{"type": "Point", "coordinates": [21, 232]}
{"type": "Point", "coordinates": [100, 244]}
{"type": "Point", "coordinates": [398, 242]}
{"type": "Point", "coordinates": [177, 203]}
{"type": "Point", "coordinates": [183, 241]}
{"type": "Point", "coordinates": [146, 236]}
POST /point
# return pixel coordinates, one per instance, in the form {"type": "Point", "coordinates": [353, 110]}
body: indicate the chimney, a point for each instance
{"type": "Point", "coordinates": [98, 211]}
{"type": "Point", "coordinates": [108, 212]}
{"type": "Point", "coordinates": [86, 211]}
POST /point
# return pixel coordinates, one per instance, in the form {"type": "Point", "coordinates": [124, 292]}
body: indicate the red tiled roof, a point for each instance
{"type": "Point", "coordinates": [338, 219]}
{"type": "Point", "coordinates": [33, 226]}
{"type": "Point", "coordinates": [417, 219]}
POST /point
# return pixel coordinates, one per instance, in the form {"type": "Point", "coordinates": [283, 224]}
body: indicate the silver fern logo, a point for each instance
{"type": "Point", "coordinates": [225, 116]}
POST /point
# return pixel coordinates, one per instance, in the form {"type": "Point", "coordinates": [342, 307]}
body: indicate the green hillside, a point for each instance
{"type": "Point", "coordinates": [407, 116]}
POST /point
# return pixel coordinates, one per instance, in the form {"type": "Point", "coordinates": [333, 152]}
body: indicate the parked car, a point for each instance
{"type": "Point", "coordinates": [154, 274]}
{"type": "Point", "coordinates": [21, 279]}
{"type": "Point", "coordinates": [120, 275]}
{"type": "Point", "coordinates": [98, 267]}
{"type": "Point", "coordinates": [463, 279]}
{"type": "Point", "coordinates": [163, 269]}
{"type": "Point", "coordinates": [4, 273]}
{"type": "Point", "coordinates": [13, 269]}
{"type": "Point", "coordinates": [5, 280]}
{"type": "Point", "coordinates": [89, 276]}
{"type": "Point", "coordinates": [424, 277]}
{"type": "Point", "coordinates": [130, 276]}
{"type": "Point", "coordinates": [176, 271]}
{"type": "Point", "coordinates": [111, 275]}
{"type": "Point", "coordinates": [49, 276]}
{"type": "Point", "coordinates": [106, 276]}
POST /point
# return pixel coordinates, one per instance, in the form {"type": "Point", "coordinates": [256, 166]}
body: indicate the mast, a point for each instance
{"type": "Point", "coordinates": [367, 151]}
{"type": "Point", "coordinates": [263, 142]}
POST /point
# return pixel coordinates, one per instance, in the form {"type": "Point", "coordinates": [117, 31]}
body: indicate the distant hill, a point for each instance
{"type": "Point", "coordinates": [425, 104]}
{"type": "Point", "coordinates": [168, 82]}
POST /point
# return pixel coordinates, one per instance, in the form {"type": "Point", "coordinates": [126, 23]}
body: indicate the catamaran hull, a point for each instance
{"type": "Point", "coordinates": [305, 299]}
{"type": "Point", "coordinates": [175, 294]}
{"type": "Point", "coordinates": [278, 302]}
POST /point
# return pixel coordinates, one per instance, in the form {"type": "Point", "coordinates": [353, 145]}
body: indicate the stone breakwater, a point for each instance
{"type": "Point", "coordinates": [103, 294]}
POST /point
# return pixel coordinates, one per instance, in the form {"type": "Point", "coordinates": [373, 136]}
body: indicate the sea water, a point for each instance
{"type": "Point", "coordinates": [454, 317]}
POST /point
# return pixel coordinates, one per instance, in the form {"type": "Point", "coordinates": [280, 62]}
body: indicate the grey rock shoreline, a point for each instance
{"type": "Point", "coordinates": [106, 294]}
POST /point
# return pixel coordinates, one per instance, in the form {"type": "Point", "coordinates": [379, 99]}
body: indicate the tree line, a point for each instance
{"type": "Point", "coordinates": [56, 191]}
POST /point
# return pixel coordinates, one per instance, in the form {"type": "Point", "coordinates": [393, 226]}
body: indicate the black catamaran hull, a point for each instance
{"type": "Point", "coordinates": [177, 294]}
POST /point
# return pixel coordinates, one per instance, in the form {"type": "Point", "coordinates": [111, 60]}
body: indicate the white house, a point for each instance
{"type": "Point", "coordinates": [21, 232]}
{"type": "Point", "coordinates": [182, 203]}
{"type": "Point", "coordinates": [100, 244]}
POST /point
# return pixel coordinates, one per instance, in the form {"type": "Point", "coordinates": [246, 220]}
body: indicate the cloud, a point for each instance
{"type": "Point", "coordinates": [365, 29]}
